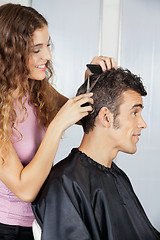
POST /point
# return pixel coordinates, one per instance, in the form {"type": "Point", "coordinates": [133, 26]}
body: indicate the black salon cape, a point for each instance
{"type": "Point", "coordinates": [83, 200]}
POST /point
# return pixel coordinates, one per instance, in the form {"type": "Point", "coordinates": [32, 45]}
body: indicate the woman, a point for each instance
{"type": "Point", "coordinates": [32, 119]}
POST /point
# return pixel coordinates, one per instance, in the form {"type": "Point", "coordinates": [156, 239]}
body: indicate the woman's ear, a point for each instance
{"type": "Point", "coordinates": [105, 116]}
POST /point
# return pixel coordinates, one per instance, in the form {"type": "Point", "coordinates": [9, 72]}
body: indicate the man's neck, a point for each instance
{"type": "Point", "coordinates": [98, 148]}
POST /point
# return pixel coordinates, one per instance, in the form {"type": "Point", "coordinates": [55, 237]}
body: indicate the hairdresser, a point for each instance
{"type": "Point", "coordinates": [33, 115]}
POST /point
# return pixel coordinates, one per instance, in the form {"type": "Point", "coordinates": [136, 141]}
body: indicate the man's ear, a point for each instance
{"type": "Point", "coordinates": [105, 116]}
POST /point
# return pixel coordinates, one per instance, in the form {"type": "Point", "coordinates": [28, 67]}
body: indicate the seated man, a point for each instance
{"type": "Point", "coordinates": [86, 196]}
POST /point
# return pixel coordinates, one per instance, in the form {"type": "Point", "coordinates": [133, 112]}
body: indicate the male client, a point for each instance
{"type": "Point", "coordinates": [86, 196]}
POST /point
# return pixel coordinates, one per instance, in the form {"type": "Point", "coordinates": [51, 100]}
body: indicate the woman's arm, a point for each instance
{"type": "Point", "coordinates": [25, 182]}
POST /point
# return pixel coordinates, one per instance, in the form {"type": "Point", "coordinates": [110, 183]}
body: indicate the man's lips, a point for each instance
{"type": "Point", "coordinates": [137, 136]}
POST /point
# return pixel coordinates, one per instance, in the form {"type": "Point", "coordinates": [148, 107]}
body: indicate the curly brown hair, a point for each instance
{"type": "Point", "coordinates": [17, 25]}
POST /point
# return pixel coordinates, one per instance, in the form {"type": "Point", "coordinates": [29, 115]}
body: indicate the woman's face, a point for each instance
{"type": "Point", "coordinates": [40, 54]}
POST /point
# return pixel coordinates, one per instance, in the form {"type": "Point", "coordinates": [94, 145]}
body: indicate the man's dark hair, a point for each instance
{"type": "Point", "coordinates": [107, 92]}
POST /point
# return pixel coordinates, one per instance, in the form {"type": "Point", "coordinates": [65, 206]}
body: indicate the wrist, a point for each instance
{"type": "Point", "coordinates": [56, 127]}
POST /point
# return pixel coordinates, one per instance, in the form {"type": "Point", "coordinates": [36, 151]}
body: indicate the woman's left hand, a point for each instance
{"type": "Point", "coordinates": [104, 62]}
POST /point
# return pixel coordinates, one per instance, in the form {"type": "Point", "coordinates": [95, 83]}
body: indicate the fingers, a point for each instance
{"type": "Point", "coordinates": [82, 103]}
{"type": "Point", "coordinates": [114, 63]}
{"type": "Point", "coordinates": [86, 110]}
{"type": "Point", "coordinates": [74, 110]}
{"type": "Point", "coordinates": [84, 97]}
{"type": "Point", "coordinates": [105, 62]}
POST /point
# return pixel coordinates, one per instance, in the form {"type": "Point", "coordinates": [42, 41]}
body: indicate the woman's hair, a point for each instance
{"type": "Point", "coordinates": [17, 26]}
{"type": "Point", "coordinates": [107, 91]}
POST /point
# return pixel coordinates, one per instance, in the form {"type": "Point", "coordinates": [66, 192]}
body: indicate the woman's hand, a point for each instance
{"type": "Point", "coordinates": [72, 111]}
{"type": "Point", "coordinates": [25, 182]}
{"type": "Point", "coordinates": [104, 62]}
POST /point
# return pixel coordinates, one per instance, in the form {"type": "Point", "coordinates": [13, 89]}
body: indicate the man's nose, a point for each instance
{"type": "Point", "coordinates": [142, 124]}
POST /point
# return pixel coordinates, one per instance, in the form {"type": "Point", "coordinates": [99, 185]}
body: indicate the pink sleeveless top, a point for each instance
{"type": "Point", "coordinates": [12, 210]}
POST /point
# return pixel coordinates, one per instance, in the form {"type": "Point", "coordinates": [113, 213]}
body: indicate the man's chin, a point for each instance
{"type": "Point", "coordinates": [131, 151]}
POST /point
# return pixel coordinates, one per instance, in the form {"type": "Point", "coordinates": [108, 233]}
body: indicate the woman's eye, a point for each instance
{"type": "Point", "coordinates": [36, 51]}
{"type": "Point", "coordinates": [49, 45]}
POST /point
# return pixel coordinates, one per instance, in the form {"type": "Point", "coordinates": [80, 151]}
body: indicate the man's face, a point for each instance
{"type": "Point", "coordinates": [130, 122]}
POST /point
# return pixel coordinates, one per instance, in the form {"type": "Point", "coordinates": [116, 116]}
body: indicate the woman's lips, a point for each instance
{"type": "Point", "coordinates": [41, 67]}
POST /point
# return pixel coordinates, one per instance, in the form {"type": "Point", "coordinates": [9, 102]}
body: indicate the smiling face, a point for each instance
{"type": "Point", "coordinates": [130, 122]}
{"type": "Point", "coordinates": [40, 54]}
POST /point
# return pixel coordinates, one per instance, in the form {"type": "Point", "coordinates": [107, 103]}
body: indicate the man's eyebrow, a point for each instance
{"type": "Point", "coordinates": [137, 105]}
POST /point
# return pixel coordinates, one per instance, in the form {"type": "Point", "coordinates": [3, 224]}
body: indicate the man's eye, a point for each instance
{"type": "Point", "coordinates": [135, 113]}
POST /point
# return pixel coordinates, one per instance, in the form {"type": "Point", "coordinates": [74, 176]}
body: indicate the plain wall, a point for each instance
{"type": "Point", "coordinates": [23, 2]}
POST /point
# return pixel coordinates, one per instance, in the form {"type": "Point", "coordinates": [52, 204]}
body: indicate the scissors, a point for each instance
{"type": "Point", "coordinates": [95, 69]}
